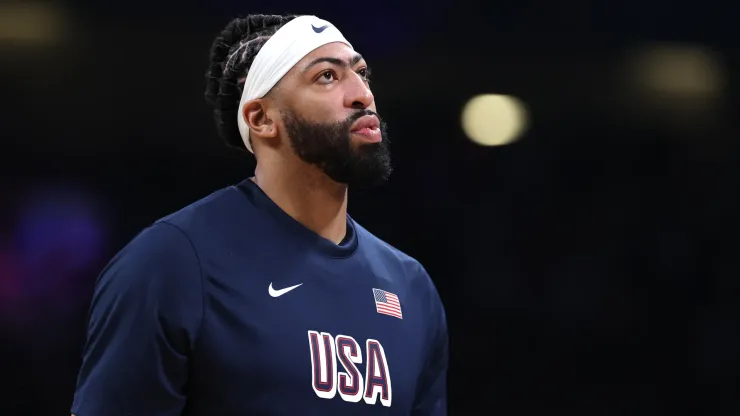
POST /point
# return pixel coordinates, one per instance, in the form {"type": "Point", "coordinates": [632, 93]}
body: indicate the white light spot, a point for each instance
{"type": "Point", "coordinates": [494, 120]}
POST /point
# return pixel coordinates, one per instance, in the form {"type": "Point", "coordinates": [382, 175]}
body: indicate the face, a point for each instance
{"type": "Point", "coordinates": [328, 114]}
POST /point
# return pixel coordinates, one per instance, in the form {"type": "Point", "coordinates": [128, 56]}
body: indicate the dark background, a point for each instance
{"type": "Point", "coordinates": [589, 268]}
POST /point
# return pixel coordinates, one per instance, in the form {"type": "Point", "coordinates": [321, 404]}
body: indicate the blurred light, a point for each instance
{"type": "Point", "coordinates": [53, 250]}
{"type": "Point", "coordinates": [60, 226]}
{"type": "Point", "coordinates": [494, 120]}
{"type": "Point", "coordinates": [688, 71]}
{"type": "Point", "coordinates": [9, 277]}
{"type": "Point", "coordinates": [33, 22]}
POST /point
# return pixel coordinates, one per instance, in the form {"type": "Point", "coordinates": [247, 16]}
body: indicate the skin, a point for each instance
{"type": "Point", "coordinates": [320, 92]}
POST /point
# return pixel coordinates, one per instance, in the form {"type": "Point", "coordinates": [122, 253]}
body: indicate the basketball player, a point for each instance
{"type": "Point", "coordinates": [266, 298]}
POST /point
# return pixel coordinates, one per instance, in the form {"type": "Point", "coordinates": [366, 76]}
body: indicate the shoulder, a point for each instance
{"type": "Point", "coordinates": [217, 222]}
{"type": "Point", "coordinates": [155, 243]}
{"type": "Point", "coordinates": [212, 210]}
{"type": "Point", "coordinates": [398, 264]}
{"type": "Point", "coordinates": [160, 256]}
{"type": "Point", "coordinates": [378, 247]}
{"type": "Point", "coordinates": [198, 234]}
{"type": "Point", "coordinates": [156, 275]}
{"type": "Point", "coordinates": [167, 254]}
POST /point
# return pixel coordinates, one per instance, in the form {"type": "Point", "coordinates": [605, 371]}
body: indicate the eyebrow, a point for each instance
{"type": "Point", "coordinates": [334, 61]}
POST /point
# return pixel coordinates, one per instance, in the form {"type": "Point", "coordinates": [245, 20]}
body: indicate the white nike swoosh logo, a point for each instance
{"type": "Point", "coordinates": [277, 293]}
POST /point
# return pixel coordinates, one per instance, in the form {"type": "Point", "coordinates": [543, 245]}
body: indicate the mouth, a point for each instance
{"type": "Point", "coordinates": [367, 128]}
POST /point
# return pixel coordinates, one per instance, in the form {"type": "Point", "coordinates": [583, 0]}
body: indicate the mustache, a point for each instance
{"type": "Point", "coordinates": [361, 113]}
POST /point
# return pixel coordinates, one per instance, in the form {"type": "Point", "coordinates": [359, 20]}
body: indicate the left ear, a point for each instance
{"type": "Point", "coordinates": [257, 117]}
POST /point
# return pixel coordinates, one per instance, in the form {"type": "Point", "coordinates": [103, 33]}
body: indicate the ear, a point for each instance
{"type": "Point", "coordinates": [258, 119]}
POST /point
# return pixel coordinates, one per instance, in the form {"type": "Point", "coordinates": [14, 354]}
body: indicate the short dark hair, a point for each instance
{"type": "Point", "coordinates": [232, 54]}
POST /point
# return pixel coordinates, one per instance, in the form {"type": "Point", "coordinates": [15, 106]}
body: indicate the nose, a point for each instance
{"type": "Point", "coordinates": [358, 95]}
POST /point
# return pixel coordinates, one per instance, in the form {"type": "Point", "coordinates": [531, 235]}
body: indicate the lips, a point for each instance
{"type": "Point", "coordinates": [365, 122]}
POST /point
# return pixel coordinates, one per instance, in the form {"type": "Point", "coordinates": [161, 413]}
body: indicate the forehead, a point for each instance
{"type": "Point", "coordinates": [336, 50]}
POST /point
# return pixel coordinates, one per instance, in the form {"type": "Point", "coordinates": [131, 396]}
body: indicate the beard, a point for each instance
{"type": "Point", "coordinates": [329, 147]}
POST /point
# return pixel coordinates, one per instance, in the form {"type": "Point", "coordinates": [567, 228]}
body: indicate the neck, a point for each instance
{"type": "Point", "coordinates": [306, 194]}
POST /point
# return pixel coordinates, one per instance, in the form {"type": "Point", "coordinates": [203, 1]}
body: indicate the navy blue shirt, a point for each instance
{"type": "Point", "coordinates": [232, 307]}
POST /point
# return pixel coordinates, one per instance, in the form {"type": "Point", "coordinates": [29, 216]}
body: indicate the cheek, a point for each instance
{"type": "Point", "coordinates": [317, 111]}
{"type": "Point", "coordinates": [323, 106]}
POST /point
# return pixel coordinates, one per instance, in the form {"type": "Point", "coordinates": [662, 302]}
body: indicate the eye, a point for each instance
{"type": "Point", "coordinates": [326, 77]}
{"type": "Point", "coordinates": [364, 73]}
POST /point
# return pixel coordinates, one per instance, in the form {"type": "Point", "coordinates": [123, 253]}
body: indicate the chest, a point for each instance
{"type": "Point", "coordinates": [309, 334]}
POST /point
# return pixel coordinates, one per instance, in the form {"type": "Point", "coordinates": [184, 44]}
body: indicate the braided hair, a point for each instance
{"type": "Point", "coordinates": [232, 54]}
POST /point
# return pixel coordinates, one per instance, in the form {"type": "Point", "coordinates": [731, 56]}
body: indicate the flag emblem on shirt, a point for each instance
{"type": "Point", "coordinates": [387, 303]}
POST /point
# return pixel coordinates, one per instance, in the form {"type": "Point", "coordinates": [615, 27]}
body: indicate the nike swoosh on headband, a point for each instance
{"type": "Point", "coordinates": [319, 29]}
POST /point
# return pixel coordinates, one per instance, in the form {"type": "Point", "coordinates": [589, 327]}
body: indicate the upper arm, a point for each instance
{"type": "Point", "coordinates": [431, 391]}
{"type": "Point", "coordinates": [145, 315]}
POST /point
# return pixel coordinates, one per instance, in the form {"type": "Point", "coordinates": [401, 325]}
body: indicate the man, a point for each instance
{"type": "Point", "coordinates": [266, 298]}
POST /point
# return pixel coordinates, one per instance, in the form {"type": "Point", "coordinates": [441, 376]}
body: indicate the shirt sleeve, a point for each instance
{"type": "Point", "coordinates": [431, 393]}
{"type": "Point", "coordinates": [146, 310]}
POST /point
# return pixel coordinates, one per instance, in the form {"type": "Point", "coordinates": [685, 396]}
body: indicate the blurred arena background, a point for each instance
{"type": "Point", "coordinates": [567, 172]}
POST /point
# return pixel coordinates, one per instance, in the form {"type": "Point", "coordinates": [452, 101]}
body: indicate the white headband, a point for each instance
{"type": "Point", "coordinates": [279, 54]}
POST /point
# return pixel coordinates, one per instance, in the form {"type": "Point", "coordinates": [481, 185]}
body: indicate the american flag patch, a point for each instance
{"type": "Point", "coordinates": [387, 303]}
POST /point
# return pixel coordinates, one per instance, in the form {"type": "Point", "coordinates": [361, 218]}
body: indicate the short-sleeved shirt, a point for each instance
{"type": "Point", "coordinates": [232, 307]}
